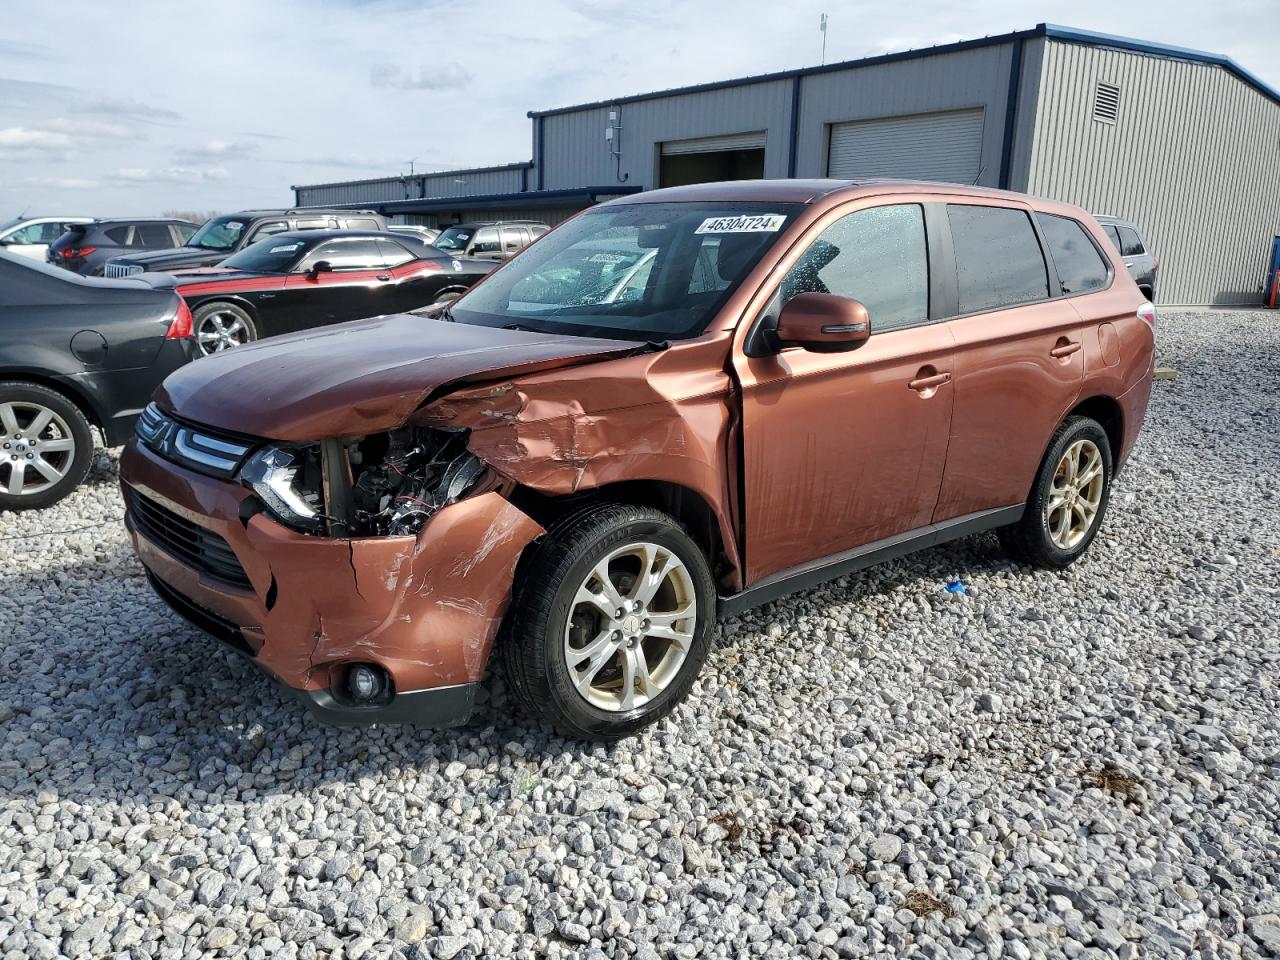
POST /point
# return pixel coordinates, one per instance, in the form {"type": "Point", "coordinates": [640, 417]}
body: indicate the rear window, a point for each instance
{"type": "Point", "coordinates": [155, 236]}
{"type": "Point", "coordinates": [998, 258]}
{"type": "Point", "coordinates": [1080, 266]}
{"type": "Point", "coordinates": [1130, 242]}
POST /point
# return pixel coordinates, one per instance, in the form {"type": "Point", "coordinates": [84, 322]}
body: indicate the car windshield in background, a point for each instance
{"type": "Point", "coordinates": [642, 271]}
{"type": "Point", "coordinates": [220, 234]}
{"type": "Point", "coordinates": [453, 239]}
{"type": "Point", "coordinates": [273, 255]}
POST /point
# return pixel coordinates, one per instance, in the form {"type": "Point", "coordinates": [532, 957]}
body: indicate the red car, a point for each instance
{"type": "Point", "coordinates": [293, 281]}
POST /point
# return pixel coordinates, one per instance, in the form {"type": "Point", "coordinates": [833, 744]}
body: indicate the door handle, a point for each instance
{"type": "Point", "coordinates": [921, 384]}
{"type": "Point", "coordinates": [1065, 348]}
{"type": "Point", "coordinates": [383, 277]}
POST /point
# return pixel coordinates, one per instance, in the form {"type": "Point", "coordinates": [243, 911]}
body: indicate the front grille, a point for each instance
{"type": "Point", "coordinates": [217, 454]}
{"type": "Point", "coordinates": [122, 269]}
{"type": "Point", "coordinates": [189, 542]}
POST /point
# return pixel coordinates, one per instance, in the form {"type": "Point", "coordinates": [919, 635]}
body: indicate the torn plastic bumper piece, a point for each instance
{"type": "Point", "coordinates": [424, 608]}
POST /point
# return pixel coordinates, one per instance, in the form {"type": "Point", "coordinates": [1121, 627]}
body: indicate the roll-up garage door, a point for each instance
{"type": "Point", "coordinates": [930, 146]}
{"type": "Point", "coordinates": [732, 141]}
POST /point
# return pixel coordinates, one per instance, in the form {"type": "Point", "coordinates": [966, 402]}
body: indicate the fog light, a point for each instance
{"type": "Point", "coordinates": [366, 682]}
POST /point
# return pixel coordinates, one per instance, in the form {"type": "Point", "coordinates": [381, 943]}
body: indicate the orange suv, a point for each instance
{"type": "Point", "coordinates": [673, 406]}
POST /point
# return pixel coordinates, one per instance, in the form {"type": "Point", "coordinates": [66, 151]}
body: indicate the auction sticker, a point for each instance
{"type": "Point", "coordinates": [744, 223]}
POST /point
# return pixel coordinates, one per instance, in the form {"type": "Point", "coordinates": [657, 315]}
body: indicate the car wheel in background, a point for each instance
{"type": "Point", "coordinates": [610, 622]}
{"type": "Point", "coordinates": [1069, 498]}
{"type": "Point", "coordinates": [45, 446]}
{"type": "Point", "coordinates": [448, 295]}
{"type": "Point", "coordinates": [221, 326]}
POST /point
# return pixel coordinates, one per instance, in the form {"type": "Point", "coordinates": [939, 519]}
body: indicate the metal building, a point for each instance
{"type": "Point", "coordinates": [1185, 143]}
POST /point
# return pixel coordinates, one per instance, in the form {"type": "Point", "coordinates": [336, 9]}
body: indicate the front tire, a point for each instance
{"type": "Point", "coordinates": [45, 446]}
{"type": "Point", "coordinates": [610, 622]}
{"type": "Point", "coordinates": [1069, 498]}
{"type": "Point", "coordinates": [220, 326]}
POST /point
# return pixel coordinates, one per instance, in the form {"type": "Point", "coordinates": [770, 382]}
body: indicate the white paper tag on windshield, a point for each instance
{"type": "Point", "coordinates": [745, 223]}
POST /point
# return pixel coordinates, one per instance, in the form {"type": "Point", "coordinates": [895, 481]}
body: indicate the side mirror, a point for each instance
{"type": "Point", "coordinates": [319, 267]}
{"type": "Point", "coordinates": [823, 323]}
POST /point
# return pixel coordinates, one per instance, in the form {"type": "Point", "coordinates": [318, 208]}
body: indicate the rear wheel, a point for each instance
{"type": "Point", "coordinates": [45, 446]}
{"type": "Point", "coordinates": [221, 326]}
{"type": "Point", "coordinates": [611, 621]}
{"type": "Point", "coordinates": [1068, 500]}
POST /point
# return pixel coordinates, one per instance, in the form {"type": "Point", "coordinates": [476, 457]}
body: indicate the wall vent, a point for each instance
{"type": "Point", "coordinates": [1106, 102]}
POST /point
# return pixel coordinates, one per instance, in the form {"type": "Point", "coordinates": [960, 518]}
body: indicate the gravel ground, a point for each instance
{"type": "Point", "coordinates": [1082, 764]}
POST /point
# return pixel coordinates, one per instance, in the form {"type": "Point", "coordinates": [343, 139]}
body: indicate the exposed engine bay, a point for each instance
{"type": "Point", "coordinates": [401, 478]}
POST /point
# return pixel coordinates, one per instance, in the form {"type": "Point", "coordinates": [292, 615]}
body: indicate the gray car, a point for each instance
{"type": "Point", "coordinates": [1135, 250]}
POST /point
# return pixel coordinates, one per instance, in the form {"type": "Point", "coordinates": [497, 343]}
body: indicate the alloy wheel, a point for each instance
{"type": "Point", "coordinates": [36, 448]}
{"type": "Point", "coordinates": [630, 627]}
{"type": "Point", "coordinates": [1075, 494]}
{"type": "Point", "coordinates": [220, 331]}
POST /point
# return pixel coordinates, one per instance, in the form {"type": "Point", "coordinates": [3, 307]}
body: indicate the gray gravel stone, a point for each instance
{"type": "Point", "coordinates": [1078, 764]}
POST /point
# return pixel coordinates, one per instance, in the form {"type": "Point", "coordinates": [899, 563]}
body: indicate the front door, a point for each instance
{"type": "Point", "coordinates": [357, 284]}
{"type": "Point", "coordinates": [842, 450]}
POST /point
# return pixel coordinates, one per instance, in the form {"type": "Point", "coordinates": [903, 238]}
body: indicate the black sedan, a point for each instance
{"type": "Point", "coordinates": [76, 351]}
{"type": "Point", "coordinates": [310, 278]}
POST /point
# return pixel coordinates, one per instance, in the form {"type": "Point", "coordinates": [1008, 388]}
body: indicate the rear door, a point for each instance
{"type": "Point", "coordinates": [487, 244]}
{"type": "Point", "coordinates": [1019, 358]}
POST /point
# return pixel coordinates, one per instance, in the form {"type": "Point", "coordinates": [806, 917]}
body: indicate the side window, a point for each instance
{"type": "Point", "coordinates": [362, 223]}
{"type": "Point", "coordinates": [347, 255]}
{"type": "Point", "coordinates": [120, 236]}
{"type": "Point", "coordinates": [1080, 266]}
{"type": "Point", "coordinates": [998, 258]}
{"type": "Point", "coordinates": [486, 241]}
{"type": "Point", "coordinates": [154, 236]}
{"type": "Point", "coordinates": [1130, 243]}
{"type": "Point", "coordinates": [312, 225]}
{"type": "Point", "coordinates": [28, 234]}
{"type": "Point", "coordinates": [392, 253]}
{"type": "Point", "coordinates": [1112, 234]}
{"type": "Point", "coordinates": [184, 232]}
{"type": "Point", "coordinates": [268, 229]}
{"type": "Point", "coordinates": [511, 239]}
{"type": "Point", "coordinates": [878, 257]}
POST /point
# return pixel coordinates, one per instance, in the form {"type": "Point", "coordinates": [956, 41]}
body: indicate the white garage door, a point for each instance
{"type": "Point", "coordinates": [931, 146]}
{"type": "Point", "coordinates": [732, 141]}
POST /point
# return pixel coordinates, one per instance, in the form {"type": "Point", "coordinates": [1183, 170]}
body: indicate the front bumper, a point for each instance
{"type": "Point", "coordinates": [424, 608]}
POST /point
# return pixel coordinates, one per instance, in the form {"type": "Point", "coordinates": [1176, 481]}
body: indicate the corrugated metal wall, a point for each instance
{"type": "Point", "coordinates": [1194, 159]}
{"type": "Point", "coordinates": [446, 183]}
{"type": "Point", "coordinates": [929, 84]}
{"type": "Point", "coordinates": [575, 153]}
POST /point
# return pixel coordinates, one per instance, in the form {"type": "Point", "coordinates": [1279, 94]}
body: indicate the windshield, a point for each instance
{"type": "Point", "coordinates": [222, 233]}
{"type": "Point", "coordinates": [640, 271]}
{"type": "Point", "coordinates": [272, 255]}
{"type": "Point", "coordinates": [455, 238]}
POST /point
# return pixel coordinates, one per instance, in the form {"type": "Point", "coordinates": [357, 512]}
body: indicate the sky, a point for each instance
{"type": "Point", "coordinates": [144, 107]}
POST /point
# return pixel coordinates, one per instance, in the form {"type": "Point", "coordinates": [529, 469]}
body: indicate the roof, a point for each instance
{"type": "Point", "coordinates": [490, 201]}
{"type": "Point", "coordinates": [421, 174]}
{"type": "Point", "coordinates": [1047, 30]}
{"type": "Point", "coordinates": [808, 191]}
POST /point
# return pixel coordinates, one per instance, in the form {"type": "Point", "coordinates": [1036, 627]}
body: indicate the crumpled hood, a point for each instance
{"type": "Point", "coordinates": [358, 378]}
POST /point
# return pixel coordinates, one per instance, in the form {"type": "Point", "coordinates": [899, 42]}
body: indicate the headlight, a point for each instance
{"type": "Point", "coordinates": [283, 478]}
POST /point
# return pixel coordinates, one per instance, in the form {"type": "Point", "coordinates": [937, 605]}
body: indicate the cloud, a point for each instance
{"type": "Point", "coordinates": [27, 138]}
{"type": "Point", "coordinates": [216, 149]}
{"type": "Point", "coordinates": [119, 107]}
{"type": "Point", "coordinates": [62, 183]}
{"type": "Point", "coordinates": [448, 76]}
{"type": "Point", "coordinates": [90, 129]}
{"type": "Point", "coordinates": [169, 174]}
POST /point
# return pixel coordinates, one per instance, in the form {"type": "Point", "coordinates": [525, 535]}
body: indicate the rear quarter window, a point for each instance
{"type": "Point", "coordinates": [1080, 266]}
{"type": "Point", "coordinates": [1130, 243]}
{"type": "Point", "coordinates": [119, 235]}
{"type": "Point", "coordinates": [998, 258]}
